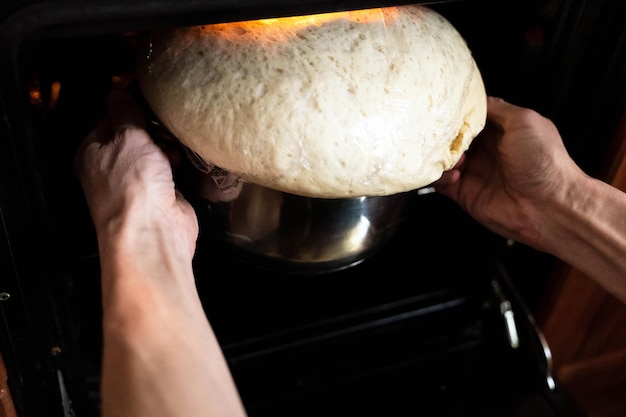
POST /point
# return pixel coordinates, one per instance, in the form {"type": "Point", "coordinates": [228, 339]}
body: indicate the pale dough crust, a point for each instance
{"type": "Point", "coordinates": [362, 103]}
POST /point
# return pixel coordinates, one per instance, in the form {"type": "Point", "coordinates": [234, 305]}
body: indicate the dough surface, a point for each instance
{"type": "Point", "coordinates": [363, 103]}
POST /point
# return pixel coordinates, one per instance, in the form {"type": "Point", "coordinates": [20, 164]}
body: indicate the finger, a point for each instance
{"type": "Point", "coordinates": [499, 110]}
{"type": "Point", "coordinates": [124, 111]}
{"type": "Point", "coordinates": [447, 178]}
{"type": "Point", "coordinates": [460, 162]}
{"type": "Point", "coordinates": [99, 134]}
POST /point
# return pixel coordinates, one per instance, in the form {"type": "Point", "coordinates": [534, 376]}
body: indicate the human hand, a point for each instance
{"type": "Point", "coordinates": [512, 171]}
{"type": "Point", "coordinates": [151, 310]}
{"type": "Point", "coordinates": [128, 182]}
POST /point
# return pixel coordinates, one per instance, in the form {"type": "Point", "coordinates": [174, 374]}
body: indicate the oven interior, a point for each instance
{"type": "Point", "coordinates": [423, 324]}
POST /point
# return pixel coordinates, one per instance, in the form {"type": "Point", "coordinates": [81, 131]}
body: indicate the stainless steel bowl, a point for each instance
{"type": "Point", "coordinates": [283, 231]}
{"type": "Point", "coordinates": [302, 234]}
{"type": "Point", "coordinates": [291, 233]}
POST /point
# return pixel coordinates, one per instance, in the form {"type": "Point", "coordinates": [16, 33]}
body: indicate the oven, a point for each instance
{"type": "Point", "coordinates": [439, 321]}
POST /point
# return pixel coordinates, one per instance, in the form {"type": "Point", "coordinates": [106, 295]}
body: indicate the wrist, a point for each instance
{"type": "Point", "coordinates": [562, 212]}
{"type": "Point", "coordinates": [137, 255]}
{"type": "Point", "coordinates": [574, 219]}
{"type": "Point", "coordinates": [588, 232]}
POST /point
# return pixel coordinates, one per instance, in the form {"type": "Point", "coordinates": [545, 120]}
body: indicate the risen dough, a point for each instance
{"type": "Point", "coordinates": [371, 102]}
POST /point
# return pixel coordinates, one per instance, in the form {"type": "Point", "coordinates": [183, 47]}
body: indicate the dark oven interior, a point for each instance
{"type": "Point", "coordinates": [424, 324]}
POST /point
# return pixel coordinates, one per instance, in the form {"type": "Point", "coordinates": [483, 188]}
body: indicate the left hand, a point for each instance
{"type": "Point", "coordinates": [127, 179]}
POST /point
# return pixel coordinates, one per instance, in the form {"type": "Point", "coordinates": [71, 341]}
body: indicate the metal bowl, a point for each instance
{"type": "Point", "coordinates": [286, 232]}
{"type": "Point", "coordinates": [302, 234]}
{"type": "Point", "coordinates": [291, 233]}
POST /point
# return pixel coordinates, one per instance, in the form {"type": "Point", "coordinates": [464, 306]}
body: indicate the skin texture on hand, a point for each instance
{"type": "Point", "coordinates": [518, 163]}
{"type": "Point", "coordinates": [120, 167]}
{"type": "Point", "coordinates": [518, 180]}
{"type": "Point", "coordinates": [160, 356]}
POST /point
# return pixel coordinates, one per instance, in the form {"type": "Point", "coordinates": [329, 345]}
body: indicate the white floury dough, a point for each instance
{"type": "Point", "coordinates": [371, 102]}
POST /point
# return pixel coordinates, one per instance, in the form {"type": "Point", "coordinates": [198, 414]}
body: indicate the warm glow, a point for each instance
{"type": "Point", "coordinates": [35, 95]}
{"type": "Point", "coordinates": [292, 23]}
{"type": "Point", "coordinates": [364, 16]}
{"type": "Point", "coordinates": [55, 90]}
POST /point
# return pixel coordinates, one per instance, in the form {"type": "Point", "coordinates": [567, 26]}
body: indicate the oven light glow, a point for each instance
{"type": "Point", "coordinates": [34, 94]}
{"type": "Point", "coordinates": [366, 15]}
{"type": "Point", "coordinates": [292, 23]}
{"type": "Point", "coordinates": [55, 90]}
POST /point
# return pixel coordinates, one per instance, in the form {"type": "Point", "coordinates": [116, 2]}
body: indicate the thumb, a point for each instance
{"type": "Point", "coordinates": [124, 111]}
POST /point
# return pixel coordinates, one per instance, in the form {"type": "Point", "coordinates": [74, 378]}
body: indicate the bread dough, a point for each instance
{"type": "Point", "coordinates": [360, 103]}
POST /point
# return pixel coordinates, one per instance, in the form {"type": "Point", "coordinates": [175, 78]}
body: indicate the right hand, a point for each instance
{"type": "Point", "coordinates": [512, 171]}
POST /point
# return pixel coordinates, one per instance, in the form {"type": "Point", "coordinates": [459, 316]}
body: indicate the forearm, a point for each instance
{"type": "Point", "coordinates": [160, 366]}
{"type": "Point", "coordinates": [161, 357]}
{"type": "Point", "coordinates": [586, 228]}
